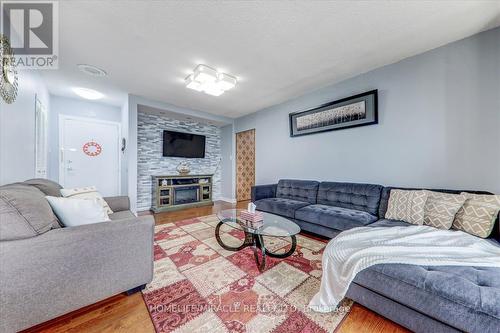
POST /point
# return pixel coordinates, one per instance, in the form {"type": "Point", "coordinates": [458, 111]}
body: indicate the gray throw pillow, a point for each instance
{"type": "Point", "coordinates": [24, 212]}
{"type": "Point", "coordinates": [48, 187]}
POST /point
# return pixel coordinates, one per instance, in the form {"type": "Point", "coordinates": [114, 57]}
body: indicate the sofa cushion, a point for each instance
{"type": "Point", "coordinates": [334, 217]}
{"type": "Point", "coordinates": [300, 190]}
{"type": "Point", "coordinates": [48, 187]}
{"type": "Point", "coordinates": [395, 223]}
{"type": "Point", "coordinates": [389, 223]}
{"type": "Point", "coordinates": [75, 212]}
{"type": "Point", "coordinates": [280, 206]}
{"type": "Point", "coordinates": [118, 203]}
{"type": "Point", "coordinates": [408, 206]}
{"type": "Point", "coordinates": [456, 295]}
{"type": "Point", "coordinates": [441, 208]}
{"type": "Point", "coordinates": [89, 192]}
{"type": "Point", "coordinates": [24, 212]}
{"type": "Point", "coordinates": [121, 215]}
{"type": "Point", "coordinates": [365, 197]}
{"type": "Point", "coordinates": [386, 192]}
{"type": "Point", "coordinates": [477, 216]}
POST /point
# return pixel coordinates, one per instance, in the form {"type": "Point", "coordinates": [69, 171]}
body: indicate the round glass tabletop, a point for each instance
{"type": "Point", "coordinates": [274, 225]}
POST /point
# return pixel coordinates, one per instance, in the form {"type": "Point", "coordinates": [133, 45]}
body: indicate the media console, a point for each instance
{"type": "Point", "coordinates": [177, 192]}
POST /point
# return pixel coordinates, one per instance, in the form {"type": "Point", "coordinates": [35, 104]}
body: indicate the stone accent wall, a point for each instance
{"type": "Point", "coordinates": [150, 160]}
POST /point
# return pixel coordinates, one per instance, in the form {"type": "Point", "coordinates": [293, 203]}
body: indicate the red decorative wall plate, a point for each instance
{"type": "Point", "coordinates": [92, 148]}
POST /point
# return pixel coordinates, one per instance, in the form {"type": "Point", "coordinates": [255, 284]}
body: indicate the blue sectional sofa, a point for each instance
{"type": "Point", "coordinates": [420, 298]}
{"type": "Point", "coordinates": [325, 208]}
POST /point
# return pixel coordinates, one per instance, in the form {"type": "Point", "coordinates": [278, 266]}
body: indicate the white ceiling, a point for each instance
{"type": "Point", "coordinates": [278, 49]}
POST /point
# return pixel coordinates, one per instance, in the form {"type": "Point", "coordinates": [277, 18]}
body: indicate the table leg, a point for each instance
{"type": "Point", "coordinates": [256, 241]}
{"type": "Point", "coordinates": [247, 242]}
{"type": "Point", "coordinates": [287, 254]}
{"type": "Point", "coordinates": [259, 243]}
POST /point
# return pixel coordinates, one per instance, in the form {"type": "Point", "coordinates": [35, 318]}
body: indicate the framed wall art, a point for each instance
{"type": "Point", "coordinates": [353, 111]}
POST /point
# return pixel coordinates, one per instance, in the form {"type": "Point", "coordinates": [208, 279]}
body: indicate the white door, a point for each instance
{"type": "Point", "coordinates": [90, 154]}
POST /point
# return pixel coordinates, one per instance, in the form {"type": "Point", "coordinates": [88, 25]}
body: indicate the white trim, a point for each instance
{"type": "Point", "coordinates": [41, 114]}
{"type": "Point", "coordinates": [226, 200]}
{"type": "Point", "coordinates": [62, 119]}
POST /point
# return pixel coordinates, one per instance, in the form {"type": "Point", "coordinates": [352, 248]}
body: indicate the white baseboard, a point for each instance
{"type": "Point", "coordinates": [226, 200]}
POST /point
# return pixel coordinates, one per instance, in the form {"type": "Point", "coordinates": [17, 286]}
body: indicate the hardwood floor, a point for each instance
{"type": "Point", "coordinates": [123, 313]}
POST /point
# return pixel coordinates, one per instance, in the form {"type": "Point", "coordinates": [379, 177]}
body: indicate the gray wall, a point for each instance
{"type": "Point", "coordinates": [77, 108]}
{"type": "Point", "coordinates": [17, 129]}
{"type": "Point", "coordinates": [439, 125]}
{"type": "Point", "coordinates": [150, 161]}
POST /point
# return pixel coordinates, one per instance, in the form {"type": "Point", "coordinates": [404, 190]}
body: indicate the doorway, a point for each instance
{"type": "Point", "coordinates": [89, 154]}
{"type": "Point", "coordinates": [245, 164]}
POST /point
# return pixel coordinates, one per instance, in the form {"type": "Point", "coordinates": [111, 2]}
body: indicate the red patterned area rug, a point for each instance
{"type": "Point", "coordinates": [200, 287]}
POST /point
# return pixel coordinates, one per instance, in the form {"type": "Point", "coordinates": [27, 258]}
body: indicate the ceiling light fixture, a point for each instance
{"type": "Point", "coordinates": [225, 81]}
{"type": "Point", "coordinates": [204, 74]}
{"type": "Point", "coordinates": [91, 70]}
{"type": "Point", "coordinates": [88, 93]}
{"type": "Point", "coordinates": [192, 84]}
{"type": "Point", "coordinates": [209, 81]}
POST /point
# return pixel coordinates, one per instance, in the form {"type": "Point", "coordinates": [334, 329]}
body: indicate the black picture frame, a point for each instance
{"type": "Point", "coordinates": [369, 115]}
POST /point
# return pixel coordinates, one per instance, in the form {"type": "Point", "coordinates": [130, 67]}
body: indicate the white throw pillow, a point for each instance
{"type": "Point", "coordinates": [74, 212]}
{"type": "Point", "coordinates": [89, 192]}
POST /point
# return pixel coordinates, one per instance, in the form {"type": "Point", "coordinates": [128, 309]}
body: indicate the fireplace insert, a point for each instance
{"type": "Point", "coordinates": [186, 194]}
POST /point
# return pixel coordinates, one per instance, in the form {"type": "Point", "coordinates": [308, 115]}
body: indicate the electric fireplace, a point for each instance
{"type": "Point", "coordinates": [186, 194]}
{"type": "Point", "coordinates": [181, 191]}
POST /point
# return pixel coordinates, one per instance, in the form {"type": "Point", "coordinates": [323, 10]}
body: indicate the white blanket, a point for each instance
{"type": "Point", "coordinates": [359, 248]}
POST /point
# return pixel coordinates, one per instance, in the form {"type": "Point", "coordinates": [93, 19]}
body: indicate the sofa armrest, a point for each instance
{"type": "Point", "coordinates": [68, 268]}
{"type": "Point", "coordinates": [118, 204]}
{"type": "Point", "coordinates": [263, 191]}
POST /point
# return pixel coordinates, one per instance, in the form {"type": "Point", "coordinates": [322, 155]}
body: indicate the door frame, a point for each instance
{"type": "Point", "coordinates": [60, 158]}
{"type": "Point", "coordinates": [236, 158]}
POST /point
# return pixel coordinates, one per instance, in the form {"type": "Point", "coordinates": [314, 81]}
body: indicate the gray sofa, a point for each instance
{"type": "Point", "coordinates": [314, 205]}
{"type": "Point", "coordinates": [421, 298]}
{"type": "Point", "coordinates": [48, 270]}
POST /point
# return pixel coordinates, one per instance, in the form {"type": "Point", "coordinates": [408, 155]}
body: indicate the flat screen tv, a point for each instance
{"type": "Point", "coordinates": [177, 144]}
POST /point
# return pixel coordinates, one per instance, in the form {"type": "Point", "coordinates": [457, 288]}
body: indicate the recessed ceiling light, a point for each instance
{"type": "Point", "coordinates": [208, 80]}
{"type": "Point", "coordinates": [87, 93]}
{"type": "Point", "coordinates": [91, 70]}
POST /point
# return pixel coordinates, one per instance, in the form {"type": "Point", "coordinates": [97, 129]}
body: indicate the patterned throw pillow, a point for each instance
{"type": "Point", "coordinates": [407, 206]}
{"type": "Point", "coordinates": [441, 208]}
{"type": "Point", "coordinates": [478, 214]}
{"type": "Point", "coordinates": [89, 192]}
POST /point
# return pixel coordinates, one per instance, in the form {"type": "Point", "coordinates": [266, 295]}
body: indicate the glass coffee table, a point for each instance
{"type": "Point", "coordinates": [274, 226]}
